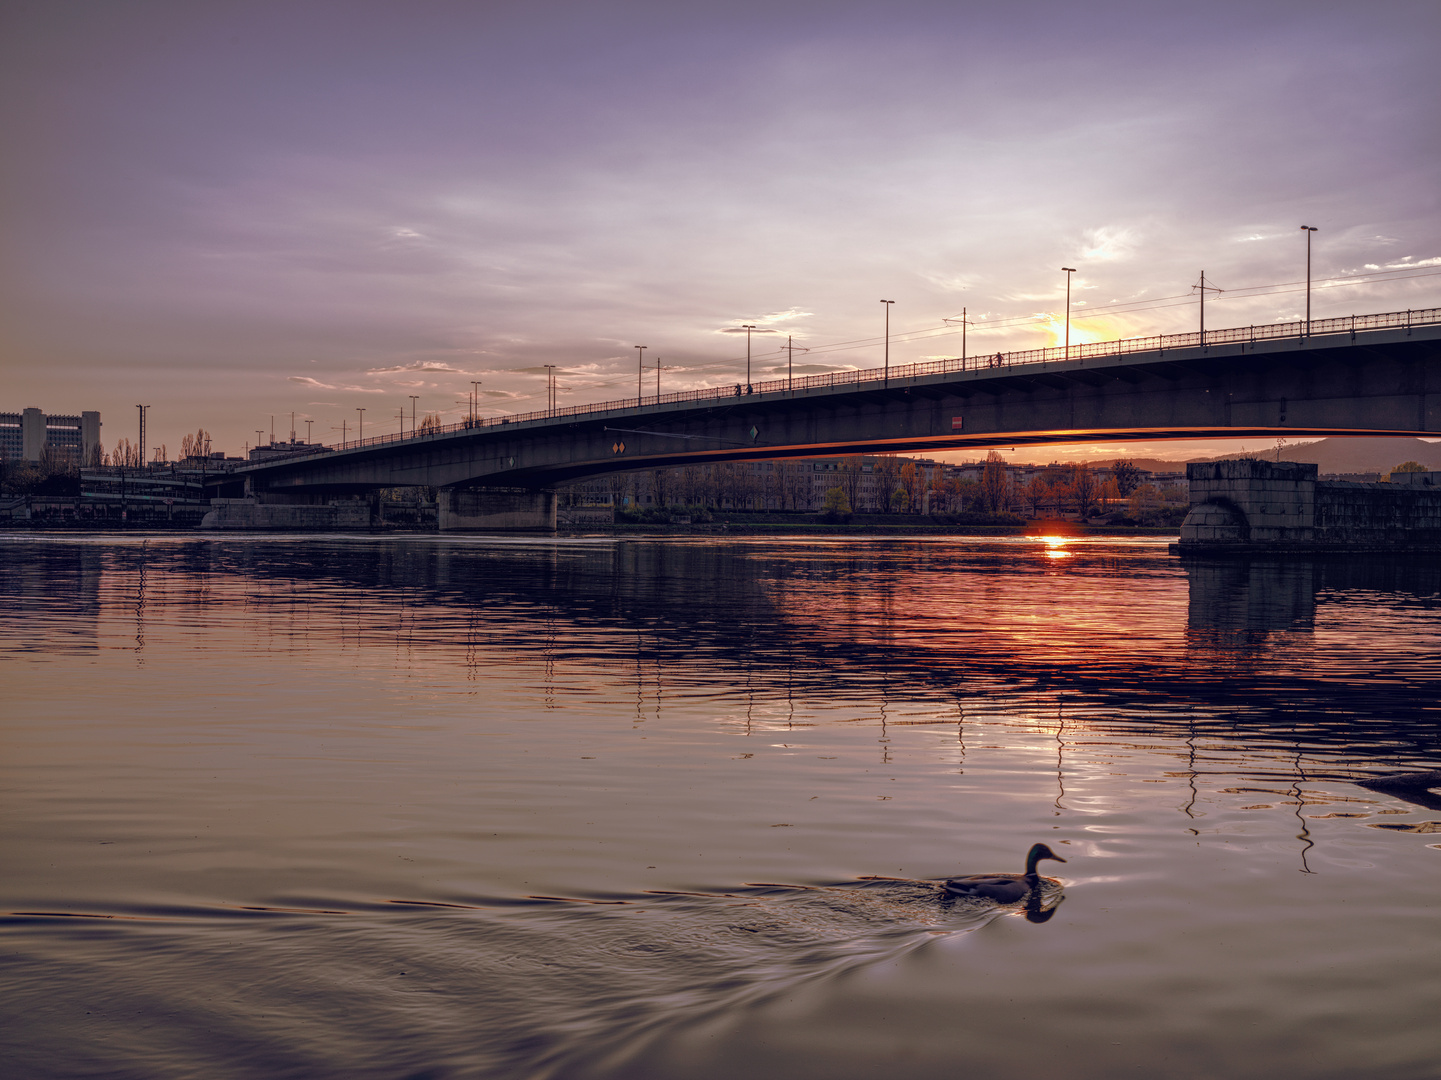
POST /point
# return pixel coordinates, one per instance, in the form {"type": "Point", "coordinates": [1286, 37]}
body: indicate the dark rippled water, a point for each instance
{"type": "Point", "coordinates": [345, 807]}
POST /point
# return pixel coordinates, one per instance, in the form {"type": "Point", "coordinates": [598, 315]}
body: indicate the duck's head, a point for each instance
{"type": "Point", "coordinates": [1036, 854]}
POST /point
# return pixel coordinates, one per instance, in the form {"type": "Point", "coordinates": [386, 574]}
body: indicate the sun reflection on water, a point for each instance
{"type": "Point", "coordinates": [1056, 546]}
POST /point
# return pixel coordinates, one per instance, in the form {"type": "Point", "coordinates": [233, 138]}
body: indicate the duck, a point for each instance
{"type": "Point", "coordinates": [1004, 888]}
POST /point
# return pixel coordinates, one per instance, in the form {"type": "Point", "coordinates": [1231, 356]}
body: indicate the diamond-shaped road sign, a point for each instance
{"type": "Point", "coordinates": [754, 432]}
{"type": "Point", "coordinates": [617, 448]}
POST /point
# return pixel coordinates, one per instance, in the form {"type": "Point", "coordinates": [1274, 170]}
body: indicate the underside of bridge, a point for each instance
{"type": "Point", "coordinates": [1382, 382]}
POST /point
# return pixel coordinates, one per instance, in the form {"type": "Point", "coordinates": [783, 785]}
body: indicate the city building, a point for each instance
{"type": "Point", "coordinates": [24, 436]}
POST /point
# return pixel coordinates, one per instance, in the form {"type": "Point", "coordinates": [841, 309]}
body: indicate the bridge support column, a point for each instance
{"type": "Point", "coordinates": [495, 509]}
{"type": "Point", "coordinates": [1250, 502]}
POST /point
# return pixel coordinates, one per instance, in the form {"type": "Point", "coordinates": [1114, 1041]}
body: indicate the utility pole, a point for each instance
{"type": "Point", "coordinates": [361, 411]}
{"type": "Point", "coordinates": [965, 322]}
{"type": "Point", "coordinates": [1069, 270]}
{"type": "Point", "coordinates": [657, 380]}
{"type": "Point", "coordinates": [1309, 229]}
{"type": "Point", "coordinates": [1204, 290]}
{"type": "Point", "coordinates": [639, 373]}
{"type": "Point", "coordinates": [748, 327]}
{"type": "Point", "coordinates": [307, 431]}
{"type": "Point", "coordinates": [474, 398]}
{"type": "Point", "coordinates": [790, 364]}
{"type": "Point", "coordinates": [141, 451]}
{"type": "Point", "coordinates": [549, 389]}
{"type": "Point", "coordinates": [412, 415]}
{"type": "Point", "coordinates": [888, 303]}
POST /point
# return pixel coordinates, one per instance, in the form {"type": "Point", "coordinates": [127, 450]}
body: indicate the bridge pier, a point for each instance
{"type": "Point", "coordinates": [482, 509]}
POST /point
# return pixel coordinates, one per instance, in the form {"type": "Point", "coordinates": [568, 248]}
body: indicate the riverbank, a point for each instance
{"type": "Point", "coordinates": [747, 528]}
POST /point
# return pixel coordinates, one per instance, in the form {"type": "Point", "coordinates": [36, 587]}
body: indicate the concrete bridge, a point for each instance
{"type": "Point", "coordinates": [1363, 375]}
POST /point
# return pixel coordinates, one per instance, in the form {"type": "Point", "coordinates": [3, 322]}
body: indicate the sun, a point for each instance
{"type": "Point", "coordinates": [1083, 332]}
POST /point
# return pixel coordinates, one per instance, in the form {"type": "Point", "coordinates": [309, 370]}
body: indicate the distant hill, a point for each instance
{"type": "Point", "coordinates": [1359, 455]}
{"type": "Point", "coordinates": [1334, 455]}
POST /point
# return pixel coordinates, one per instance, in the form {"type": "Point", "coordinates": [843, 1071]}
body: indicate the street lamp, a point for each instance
{"type": "Point", "coordinates": [639, 373]}
{"type": "Point", "coordinates": [361, 411]}
{"type": "Point", "coordinates": [748, 327]}
{"type": "Point", "coordinates": [1069, 270]}
{"type": "Point", "coordinates": [887, 380]}
{"type": "Point", "coordinates": [1308, 230]}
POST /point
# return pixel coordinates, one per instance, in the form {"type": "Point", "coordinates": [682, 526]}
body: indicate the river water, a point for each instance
{"type": "Point", "coordinates": [487, 807]}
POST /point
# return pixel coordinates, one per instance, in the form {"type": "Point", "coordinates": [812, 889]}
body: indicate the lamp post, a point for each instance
{"type": "Point", "coordinates": [474, 398]}
{"type": "Point", "coordinates": [1069, 270]}
{"type": "Point", "coordinates": [639, 373]}
{"type": "Point", "coordinates": [748, 327]}
{"type": "Point", "coordinates": [887, 379]}
{"type": "Point", "coordinates": [1308, 230]}
{"type": "Point", "coordinates": [361, 411]}
{"type": "Point", "coordinates": [412, 413]}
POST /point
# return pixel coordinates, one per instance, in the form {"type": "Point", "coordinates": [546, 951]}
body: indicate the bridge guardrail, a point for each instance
{"type": "Point", "coordinates": [1347, 324]}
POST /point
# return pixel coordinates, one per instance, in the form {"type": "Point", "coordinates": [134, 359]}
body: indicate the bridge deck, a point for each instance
{"type": "Point", "coordinates": [1373, 374]}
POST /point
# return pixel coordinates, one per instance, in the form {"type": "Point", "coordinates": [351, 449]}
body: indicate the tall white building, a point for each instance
{"type": "Point", "coordinates": [26, 434]}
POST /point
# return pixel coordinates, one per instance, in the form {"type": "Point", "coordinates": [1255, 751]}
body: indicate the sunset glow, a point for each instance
{"type": "Point", "coordinates": [1082, 333]}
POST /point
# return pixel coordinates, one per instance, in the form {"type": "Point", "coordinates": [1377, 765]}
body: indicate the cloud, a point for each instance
{"type": "Point", "coordinates": [741, 330]}
{"type": "Point", "coordinates": [784, 316]}
{"type": "Point", "coordinates": [1108, 243]}
{"type": "Point", "coordinates": [425, 366]}
{"type": "Point", "coordinates": [306, 380]}
{"type": "Point", "coordinates": [815, 369]}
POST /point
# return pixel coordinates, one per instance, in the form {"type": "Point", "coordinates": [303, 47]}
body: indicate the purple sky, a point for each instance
{"type": "Point", "coordinates": [231, 210]}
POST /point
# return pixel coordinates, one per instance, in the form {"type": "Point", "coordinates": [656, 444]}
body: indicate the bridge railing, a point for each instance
{"type": "Point", "coordinates": [1348, 324]}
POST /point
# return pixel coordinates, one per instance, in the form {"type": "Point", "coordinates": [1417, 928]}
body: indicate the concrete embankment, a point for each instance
{"type": "Point", "coordinates": [247, 514]}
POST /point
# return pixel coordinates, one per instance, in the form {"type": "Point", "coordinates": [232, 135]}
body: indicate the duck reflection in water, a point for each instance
{"type": "Point", "coordinates": [1041, 894]}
